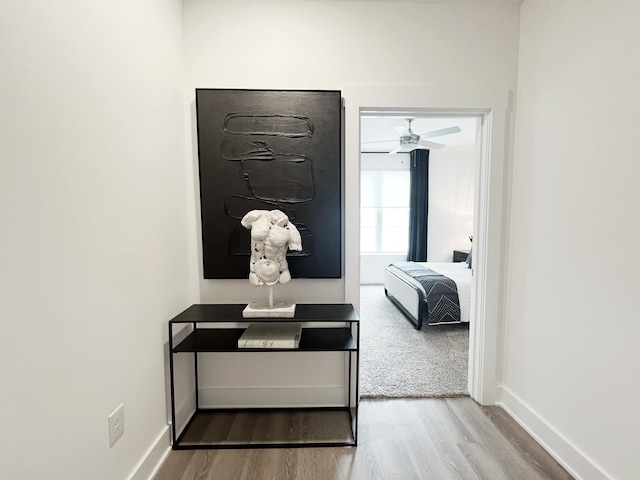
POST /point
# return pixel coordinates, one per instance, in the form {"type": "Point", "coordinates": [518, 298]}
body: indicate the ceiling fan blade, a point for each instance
{"type": "Point", "coordinates": [402, 131]}
{"type": "Point", "coordinates": [408, 148]}
{"type": "Point", "coordinates": [439, 133]}
{"type": "Point", "coordinates": [430, 145]}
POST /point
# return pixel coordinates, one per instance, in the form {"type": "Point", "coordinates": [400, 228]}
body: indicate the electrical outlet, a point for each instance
{"type": "Point", "coordinates": [116, 425]}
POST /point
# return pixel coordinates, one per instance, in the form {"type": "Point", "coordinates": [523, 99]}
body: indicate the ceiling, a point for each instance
{"type": "Point", "coordinates": [512, 2]}
{"type": "Point", "coordinates": [377, 128]}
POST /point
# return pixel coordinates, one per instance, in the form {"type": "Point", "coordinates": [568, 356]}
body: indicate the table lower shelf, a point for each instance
{"type": "Point", "coordinates": [269, 428]}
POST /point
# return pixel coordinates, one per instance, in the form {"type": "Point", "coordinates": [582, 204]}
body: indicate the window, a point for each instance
{"type": "Point", "coordinates": [384, 210]}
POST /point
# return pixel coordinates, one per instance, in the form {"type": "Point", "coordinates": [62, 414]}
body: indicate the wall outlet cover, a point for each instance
{"type": "Point", "coordinates": [116, 425]}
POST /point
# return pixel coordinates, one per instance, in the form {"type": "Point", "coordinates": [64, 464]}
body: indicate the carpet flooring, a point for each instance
{"type": "Point", "coordinates": [398, 361]}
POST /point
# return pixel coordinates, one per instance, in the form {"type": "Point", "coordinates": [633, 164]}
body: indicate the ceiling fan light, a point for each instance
{"type": "Point", "coordinates": [410, 141]}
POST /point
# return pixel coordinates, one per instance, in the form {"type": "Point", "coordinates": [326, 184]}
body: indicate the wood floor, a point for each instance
{"type": "Point", "coordinates": [403, 439]}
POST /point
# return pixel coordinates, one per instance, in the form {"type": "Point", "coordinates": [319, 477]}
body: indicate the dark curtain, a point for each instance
{"type": "Point", "coordinates": [419, 205]}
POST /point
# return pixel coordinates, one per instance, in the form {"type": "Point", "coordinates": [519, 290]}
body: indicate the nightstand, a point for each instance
{"type": "Point", "coordinates": [460, 255]}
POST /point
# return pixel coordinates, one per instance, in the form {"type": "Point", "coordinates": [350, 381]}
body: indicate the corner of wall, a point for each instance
{"type": "Point", "coordinates": [553, 441]}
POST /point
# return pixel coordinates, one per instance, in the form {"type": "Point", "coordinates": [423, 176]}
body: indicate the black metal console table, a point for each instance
{"type": "Point", "coordinates": [326, 328]}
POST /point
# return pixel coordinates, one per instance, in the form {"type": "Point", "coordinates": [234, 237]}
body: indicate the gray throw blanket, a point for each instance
{"type": "Point", "coordinates": [443, 305]}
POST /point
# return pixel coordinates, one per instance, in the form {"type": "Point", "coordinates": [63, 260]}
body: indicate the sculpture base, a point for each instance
{"type": "Point", "coordinates": [263, 310]}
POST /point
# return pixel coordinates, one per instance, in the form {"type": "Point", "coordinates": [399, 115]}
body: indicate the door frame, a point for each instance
{"type": "Point", "coordinates": [485, 342]}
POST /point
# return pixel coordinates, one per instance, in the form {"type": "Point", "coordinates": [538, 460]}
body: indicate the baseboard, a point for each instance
{"type": "Point", "coordinates": [567, 454]}
{"type": "Point", "coordinates": [272, 397]}
{"type": "Point", "coordinates": [152, 460]}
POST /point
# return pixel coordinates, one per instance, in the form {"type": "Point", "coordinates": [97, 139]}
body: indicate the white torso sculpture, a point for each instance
{"type": "Point", "coordinates": [272, 234]}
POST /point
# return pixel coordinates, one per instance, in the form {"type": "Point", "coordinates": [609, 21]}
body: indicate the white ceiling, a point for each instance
{"type": "Point", "coordinates": [377, 128]}
{"type": "Point", "coordinates": [512, 2]}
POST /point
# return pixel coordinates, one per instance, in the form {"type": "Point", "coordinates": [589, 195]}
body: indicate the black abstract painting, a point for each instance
{"type": "Point", "coordinates": [266, 150]}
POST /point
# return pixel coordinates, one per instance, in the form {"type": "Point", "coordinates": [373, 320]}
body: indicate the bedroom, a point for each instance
{"type": "Point", "coordinates": [387, 299]}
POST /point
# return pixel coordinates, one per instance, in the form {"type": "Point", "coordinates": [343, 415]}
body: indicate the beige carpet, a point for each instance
{"type": "Point", "coordinates": [396, 360]}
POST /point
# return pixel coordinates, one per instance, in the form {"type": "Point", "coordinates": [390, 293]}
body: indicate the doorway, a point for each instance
{"type": "Point", "coordinates": [437, 354]}
{"type": "Point", "coordinates": [491, 106]}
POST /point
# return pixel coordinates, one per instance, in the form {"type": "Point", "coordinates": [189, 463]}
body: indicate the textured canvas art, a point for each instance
{"type": "Point", "coordinates": [270, 150]}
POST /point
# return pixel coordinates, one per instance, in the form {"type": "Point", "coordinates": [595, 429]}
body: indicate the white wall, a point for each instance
{"type": "Point", "coordinates": [326, 45]}
{"type": "Point", "coordinates": [372, 266]}
{"type": "Point", "coordinates": [572, 290]}
{"type": "Point", "coordinates": [93, 246]}
{"type": "Point", "coordinates": [451, 195]}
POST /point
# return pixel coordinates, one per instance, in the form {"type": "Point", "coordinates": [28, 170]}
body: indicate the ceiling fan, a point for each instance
{"type": "Point", "coordinates": [410, 141]}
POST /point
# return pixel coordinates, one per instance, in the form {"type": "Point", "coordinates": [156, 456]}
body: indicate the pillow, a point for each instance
{"type": "Point", "coordinates": [468, 260]}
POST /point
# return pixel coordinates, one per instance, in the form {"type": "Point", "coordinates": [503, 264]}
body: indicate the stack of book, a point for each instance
{"type": "Point", "coordinates": [271, 335]}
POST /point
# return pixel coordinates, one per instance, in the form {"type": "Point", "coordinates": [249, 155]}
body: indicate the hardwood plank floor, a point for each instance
{"type": "Point", "coordinates": [403, 439]}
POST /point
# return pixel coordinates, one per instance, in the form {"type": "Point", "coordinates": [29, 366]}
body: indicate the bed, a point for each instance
{"type": "Point", "coordinates": [446, 299]}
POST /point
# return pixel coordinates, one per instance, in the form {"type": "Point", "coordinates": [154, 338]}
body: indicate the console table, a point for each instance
{"type": "Point", "coordinates": [206, 329]}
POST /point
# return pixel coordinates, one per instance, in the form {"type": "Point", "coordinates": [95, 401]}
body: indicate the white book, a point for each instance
{"type": "Point", "coordinates": [271, 335]}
